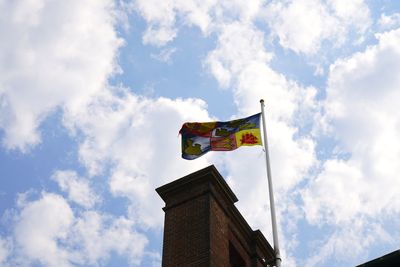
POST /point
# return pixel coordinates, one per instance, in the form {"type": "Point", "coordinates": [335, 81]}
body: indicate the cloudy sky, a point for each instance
{"type": "Point", "coordinates": [93, 94]}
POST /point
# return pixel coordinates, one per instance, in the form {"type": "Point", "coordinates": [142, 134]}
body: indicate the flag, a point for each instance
{"type": "Point", "coordinates": [200, 137]}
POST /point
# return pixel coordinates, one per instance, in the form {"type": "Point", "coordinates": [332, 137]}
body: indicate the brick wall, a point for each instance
{"type": "Point", "coordinates": [203, 227]}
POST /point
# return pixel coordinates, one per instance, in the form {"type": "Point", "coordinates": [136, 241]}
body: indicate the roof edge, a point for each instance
{"type": "Point", "coordinates": [210, 173]}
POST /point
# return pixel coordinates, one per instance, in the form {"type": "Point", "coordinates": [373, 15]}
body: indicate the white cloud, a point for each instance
{"type": "Point", "coordinates": [300, 25]}
{"type": "Point", "coordinates": [354, 13]}
{"type": "Point", "coordinates": [242, 51]}
{"type": "Point", "coordinates": [359, 236]}
{"type": "Point", "coordinates": [361, 110]}
{"type": "Point", "coordinates": [239, 45]}
{"type": "Point", "coordinates": [164, 19]}
{"type": "Point", "coordinates": [125, 135]}
{"type": "Point", "coordinates": [49, 232]}
{"type": "Point", "coordinates": [241, 55]}
{"type": "Point", "coordinates": [303, 25]}
{"type": "Point", "coordinates": [336, 204]}
{"type": "Point", "coordinates": [161, 19]}
{"type": "Point", "coordinates": [60, 57]}
{"type": "Point", "coordinates": [78, 189]}
{"type": "Point", "coordinates": [164, 55]}
{"type": "Point", "coordinates": [4, 251]}
{"type": "Point", "coordinates": [99, 235]}
{"type": "Point", "coordinates": [133, 134]}
{"type": "Point", "coordinates": [389, 21]}
{"type": "Point", "coordinates": [40, 227]}
{"type": "Point", "coordinates": [55, 56]}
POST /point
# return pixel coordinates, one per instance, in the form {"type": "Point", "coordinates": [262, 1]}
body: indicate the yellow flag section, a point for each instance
{"type": "Point", "coordinates": [249, 137]}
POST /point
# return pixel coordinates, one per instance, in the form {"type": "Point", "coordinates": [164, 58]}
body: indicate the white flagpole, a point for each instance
{"type": "Point", "coordinates": [278, 259]}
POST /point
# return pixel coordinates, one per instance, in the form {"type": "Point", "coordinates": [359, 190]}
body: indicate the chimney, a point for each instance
{"type": "Point", "coordinates": [203, 227]}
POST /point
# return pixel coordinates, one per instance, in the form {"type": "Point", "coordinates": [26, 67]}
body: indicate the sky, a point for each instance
{"type": "Point", "coordinates": [94, 92]}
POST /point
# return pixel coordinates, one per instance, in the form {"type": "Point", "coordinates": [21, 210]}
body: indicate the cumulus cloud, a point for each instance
{"type": "Point", "coordinates": [254, 80]}
{"type": "Point", "coordinates": [40, 227]}
{"type": "Point", "coordinates": [4, 250]}
{"type": "Point", "coordinates": [78, 188]}
{"type": "Point", "coordinates": [361, 110]}
{"type": "Point", "coordinates": [359, 237]}
{"type": "Point", "coordinates": [361, 114]}
{"type": "Point", "coordinates": [164, 19]}
{"type": "Point", "coordinates": [124, 135]}
{"type": "Point", "coordinates": [389, 21]}
{"type": "Point", "coordinates": [119, 130]}
{"type": "Point", "coordinates": [133, 134]}
{"type": "Point", "coordinates": [56, 56]}
{"type": "Point", "coordinates": [161, 19]}
{"type": "Point", "coordinates": [238, 45]}
{"type": "Point", "coordinates": [98, 235]}
{"type": "Point", "coordinates": [49, 232]}
{"type": "Point", "coordinates": [240, 63]}
{"type": "Point", "coordinates": [303, 25]}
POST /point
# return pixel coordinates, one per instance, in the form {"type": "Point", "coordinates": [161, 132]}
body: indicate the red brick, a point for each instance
{"type": "Point", "coordinates": [203, 227]}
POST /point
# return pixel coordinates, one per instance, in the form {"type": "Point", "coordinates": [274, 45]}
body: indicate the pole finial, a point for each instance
{"type": "Point", "coordinates": [261, 100]}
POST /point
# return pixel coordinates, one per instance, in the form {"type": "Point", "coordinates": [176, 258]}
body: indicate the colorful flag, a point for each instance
{"type": "Point", "coordinates": [200, 137]}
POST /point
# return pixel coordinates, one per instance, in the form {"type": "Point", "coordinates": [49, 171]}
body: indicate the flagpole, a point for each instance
{"type": "Point", "coordinates": [278, 259]}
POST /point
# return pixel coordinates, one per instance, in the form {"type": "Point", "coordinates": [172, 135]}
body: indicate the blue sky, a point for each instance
{"type": "Point", "coordinates": [93, 94]}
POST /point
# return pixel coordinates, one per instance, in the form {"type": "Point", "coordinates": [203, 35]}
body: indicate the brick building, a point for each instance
{"type": "Point", "coordinates": [203, 227]}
